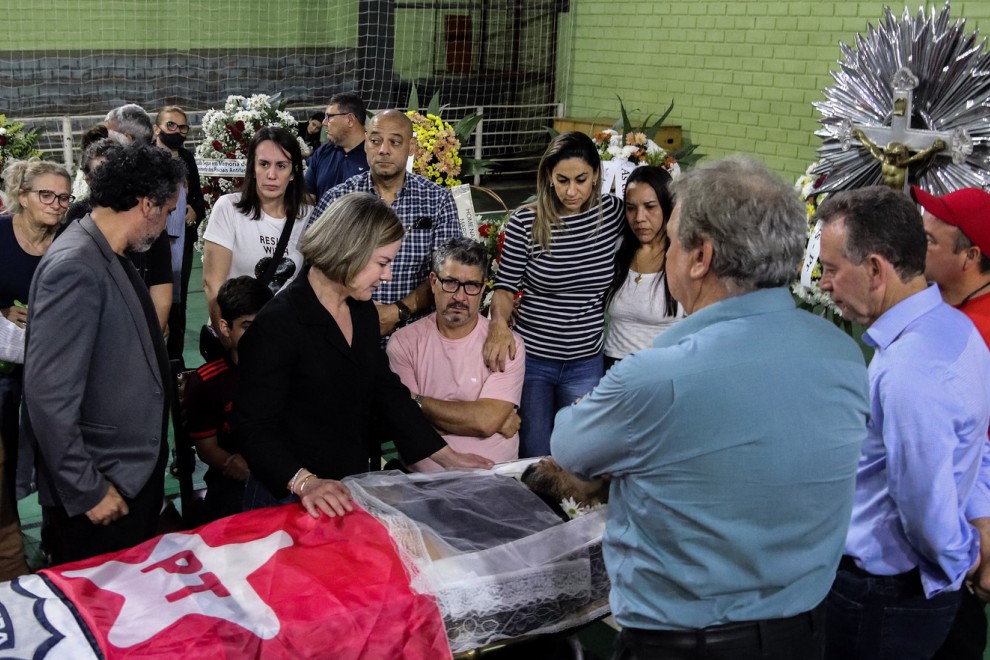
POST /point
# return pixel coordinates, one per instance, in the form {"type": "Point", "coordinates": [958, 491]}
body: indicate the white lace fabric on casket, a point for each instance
{"type": "Point", "coordinates": [498, 561]}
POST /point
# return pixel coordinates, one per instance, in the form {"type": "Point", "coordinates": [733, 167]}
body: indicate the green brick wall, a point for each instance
{"type": "Point", "coordinates": [742, 74]}
{"type": "Point", "coordinates": [177, 24]}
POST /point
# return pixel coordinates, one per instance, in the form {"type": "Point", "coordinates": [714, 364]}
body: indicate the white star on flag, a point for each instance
{"type": "Point", "coordinates": [183, 576]}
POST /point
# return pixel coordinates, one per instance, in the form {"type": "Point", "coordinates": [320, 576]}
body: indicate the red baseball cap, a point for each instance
{"type": "Point", "coordinates": [966, 208]}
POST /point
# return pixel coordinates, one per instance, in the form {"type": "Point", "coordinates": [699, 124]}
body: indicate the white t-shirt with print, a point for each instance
{"type": "Point", "coordinates": [253, 242]}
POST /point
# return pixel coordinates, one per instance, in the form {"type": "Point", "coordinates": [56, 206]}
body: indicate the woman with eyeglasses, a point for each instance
{"type": "Point", "coordinates": [38, 194]}
{"type": "Point", "coordinates": [314, 383]}
{"type": "Point", "coordinates": [246, 227]}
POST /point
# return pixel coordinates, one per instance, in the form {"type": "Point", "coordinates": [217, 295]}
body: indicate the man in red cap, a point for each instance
{"type": "Point", "coordinates": [957, 226]}
{"type": "Point", "coordinates": [958, 229]}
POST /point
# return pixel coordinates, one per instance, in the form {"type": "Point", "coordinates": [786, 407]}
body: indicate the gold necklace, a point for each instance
{"type": "Point", "coordinates": [634, 266]}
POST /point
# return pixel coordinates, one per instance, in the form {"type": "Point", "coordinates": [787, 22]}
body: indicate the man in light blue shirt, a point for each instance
{"type": "Point", "coordinates": [919, 482]}
{"type": "Point", "coordinates": [732, 443]}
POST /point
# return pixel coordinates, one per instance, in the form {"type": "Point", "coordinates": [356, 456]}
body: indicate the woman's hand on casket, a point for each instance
{"type": "Point", "coordinates": [451, 459]}
{"type": "Point", "coordinates": [326, 495]}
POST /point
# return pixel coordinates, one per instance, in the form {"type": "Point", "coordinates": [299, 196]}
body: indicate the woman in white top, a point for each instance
{"type": "Point", "coordinates": [244, 227]}
{"type": "Point", "coordinates": [640, 306]}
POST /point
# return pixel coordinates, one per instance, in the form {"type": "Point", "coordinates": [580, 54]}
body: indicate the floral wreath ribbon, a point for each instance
{"type": "Point", "coordinates": [811, 254]}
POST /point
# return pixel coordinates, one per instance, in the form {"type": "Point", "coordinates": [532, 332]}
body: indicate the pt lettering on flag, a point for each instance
{"type": "Point", "coordinates": [272, 583]}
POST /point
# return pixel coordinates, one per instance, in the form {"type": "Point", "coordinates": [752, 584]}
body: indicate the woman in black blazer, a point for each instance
{"type": "Point", "coordinates": [312, 375]}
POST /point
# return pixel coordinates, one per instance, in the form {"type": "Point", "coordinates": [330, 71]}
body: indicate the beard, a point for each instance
{"type": "Point", "coordinates": [144, 245]}
{"type": "Point", "coordinates": [456, 315]}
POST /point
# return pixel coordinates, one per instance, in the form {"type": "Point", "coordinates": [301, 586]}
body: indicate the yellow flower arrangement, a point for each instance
{"type": "Point", "coordinates": [435, 150]}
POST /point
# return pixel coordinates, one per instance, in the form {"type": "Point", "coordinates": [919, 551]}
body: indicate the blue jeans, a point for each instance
{"type": "Point", "coordinates": [549, 385]}
{"type": "Point", "coordinates": [20, 452]}
{"type": "Point", "coordinates": [870, 617]}
{"type": "Point", "coordinates": [967, 637]}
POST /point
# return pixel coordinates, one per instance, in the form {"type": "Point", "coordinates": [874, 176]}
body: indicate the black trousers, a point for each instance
{"type": "Point", "coordinates": [800, 637]}
{"type": "Point", "coordinates": [71, 538]}
{"type": "Point", "coordinates": [967, 637]}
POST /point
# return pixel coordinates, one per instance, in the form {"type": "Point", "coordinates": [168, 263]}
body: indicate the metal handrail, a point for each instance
{"type": "Point", "coordinates": [61, 134]}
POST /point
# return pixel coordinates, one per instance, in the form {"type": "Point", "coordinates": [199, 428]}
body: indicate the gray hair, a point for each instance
{"type": "Point", "coordinates": [464, 251]}
{"type": "Point", "coordinates": [753, 219]}
{"type": "Point", "coordinates": [19, 176]}
{"type": "Point", "coordinates": [341, 241]}
{"type": "Point", "coordinates": [132, 121]}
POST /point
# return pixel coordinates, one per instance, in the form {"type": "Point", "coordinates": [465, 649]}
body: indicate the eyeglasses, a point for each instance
{"type": "Point", "coordinates": [450, 285]}
{"type": "Point", "coordinates": [181, 128]}
{"type": "Point", "coordinates": [331, 115]}
{"type": "Point", "coordinates": [49, 196]}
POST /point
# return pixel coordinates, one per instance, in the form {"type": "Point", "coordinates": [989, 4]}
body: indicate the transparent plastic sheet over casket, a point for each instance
{"type": "Point", "coordinates": [499, 562]}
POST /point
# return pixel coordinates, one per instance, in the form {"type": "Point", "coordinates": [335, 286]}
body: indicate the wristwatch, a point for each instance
{"type": "Point", "coordinates": [419, 400]}
{"type": "Point", "coordinates": [404, 312]}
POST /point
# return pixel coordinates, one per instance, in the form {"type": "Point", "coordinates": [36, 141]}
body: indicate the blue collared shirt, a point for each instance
{"type": "Point", "coordinates": [917, 476]}
{"type": "Point", "coordinates": [331, 166]}
{"type": "Point", "coordinates": [732, 445]}
{"type": "Point", "coordinates": [175, 225]}
{"type": "Point", "coordinates": [427, 213]}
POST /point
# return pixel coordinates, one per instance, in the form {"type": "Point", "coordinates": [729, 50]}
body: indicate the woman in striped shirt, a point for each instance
{"type": "Point", "coordinates": [560, 251]}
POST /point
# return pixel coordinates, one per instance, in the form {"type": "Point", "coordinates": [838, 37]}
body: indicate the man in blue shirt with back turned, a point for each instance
{"type": "Point", "coordinates": [732, 443]}
{"type": "Point", "coordinates": [344, 155]}
{"type": "Point", "coordinates": [922, 474]}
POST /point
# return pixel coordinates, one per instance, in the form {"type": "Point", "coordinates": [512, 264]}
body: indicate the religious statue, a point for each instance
{"type": "Point", "coordinates": [895, 158]}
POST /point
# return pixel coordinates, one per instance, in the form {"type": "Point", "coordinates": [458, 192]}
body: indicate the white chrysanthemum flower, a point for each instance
{"type": "Point", "coordinates": [813, 295]}
{"type": "Point", "coordinates": [233, 104]}
{"type": "Point", "coordinates": [572, 508]}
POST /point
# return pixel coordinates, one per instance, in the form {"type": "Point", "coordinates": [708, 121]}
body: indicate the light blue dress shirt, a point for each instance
{"type": "Point", "coordinates": [916, 485]}
{"type": "Point", "coordinates": [733, 445]}
{"type": "Point", "coordinates": [175, 225]}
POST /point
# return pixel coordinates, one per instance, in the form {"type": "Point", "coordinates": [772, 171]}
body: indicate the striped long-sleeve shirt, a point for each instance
{"type": "Point", "coordinates": [562, 314]}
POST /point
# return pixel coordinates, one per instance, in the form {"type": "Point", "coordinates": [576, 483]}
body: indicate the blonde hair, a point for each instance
{"type": "Point", "coordinates": [548, 206]}
{"type": "Point", "coordinates": [170, 108]}
{"type": "Point", "coordinates": [341, 241]}
{"type": "Point", "coordinates": [19, 176]}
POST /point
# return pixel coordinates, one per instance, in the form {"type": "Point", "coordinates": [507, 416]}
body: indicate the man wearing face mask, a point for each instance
{"type": "Point", "coordinates": [170, 131]}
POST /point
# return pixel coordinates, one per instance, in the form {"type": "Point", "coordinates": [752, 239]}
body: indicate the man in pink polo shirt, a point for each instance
{"type": "Point", "coordinates": [439, 359]}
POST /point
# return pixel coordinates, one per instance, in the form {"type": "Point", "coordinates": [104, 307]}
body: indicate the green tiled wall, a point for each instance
{"type": "Point", "coordinates": [742, 74]}
{"type": "Point", "coordinates": [176, 24]}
